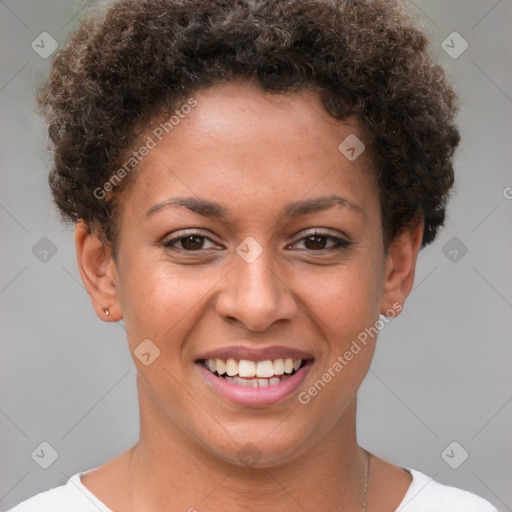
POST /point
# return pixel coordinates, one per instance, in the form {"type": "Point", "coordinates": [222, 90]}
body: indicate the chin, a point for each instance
{"type": "Point", "coordinates": [265, 446]}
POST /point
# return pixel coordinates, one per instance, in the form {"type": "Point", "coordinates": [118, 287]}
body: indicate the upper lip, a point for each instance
{"type": "Point", "coordinates": [255, 354]}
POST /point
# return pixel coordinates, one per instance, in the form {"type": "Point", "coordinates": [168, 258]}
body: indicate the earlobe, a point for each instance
{"type": "Point", "coordinates": [400, 268]}
{"type": "Point", "coordinates": [98, 273]}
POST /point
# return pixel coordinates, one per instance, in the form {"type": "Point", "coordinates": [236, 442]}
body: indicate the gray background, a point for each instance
{"type": "Point", "coordinates": [441, 372]}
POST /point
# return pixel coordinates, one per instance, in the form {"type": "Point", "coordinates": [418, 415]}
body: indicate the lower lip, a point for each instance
{"type": "Point", "coordinates": [255, 397]}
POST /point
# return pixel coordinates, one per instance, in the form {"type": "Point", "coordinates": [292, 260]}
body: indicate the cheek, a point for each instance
{"type": "Point", "coordinates": [345, 307]}
{"type": "Point", "coordinates": [345, 299]}
{"type": "Point", "coordinates": [160, 302]}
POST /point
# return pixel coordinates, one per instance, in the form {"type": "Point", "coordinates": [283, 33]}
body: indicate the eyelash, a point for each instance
{"type": "Point", "coordinates": [339, 243]}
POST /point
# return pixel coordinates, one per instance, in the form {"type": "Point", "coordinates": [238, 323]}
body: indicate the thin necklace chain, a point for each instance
{"type": "Point", "coordinates": [130, 479]}
{"type": "Point", "coordinates": [365, 491]}
{"type": "Point", "coordinates": [366, 479]}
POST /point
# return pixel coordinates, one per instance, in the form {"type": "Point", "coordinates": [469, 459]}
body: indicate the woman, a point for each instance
{"type": "Point", "coordinates": [251, 184]}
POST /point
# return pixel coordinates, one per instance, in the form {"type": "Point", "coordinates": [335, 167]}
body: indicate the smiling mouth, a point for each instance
{"type": "Point", "coordinates": [254, 374]}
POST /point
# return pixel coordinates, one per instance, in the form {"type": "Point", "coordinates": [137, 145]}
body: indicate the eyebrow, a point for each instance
{"type": "Point", "coordinates": [294, 209]}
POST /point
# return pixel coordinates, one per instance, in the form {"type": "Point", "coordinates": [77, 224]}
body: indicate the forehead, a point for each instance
{"type": "Point", "coordinates": [239, 141]}
{"type": "Point", "coordinates": [241, 108]}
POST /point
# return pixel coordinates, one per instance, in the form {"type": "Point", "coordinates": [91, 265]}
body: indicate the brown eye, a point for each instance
{"type": "Point", "coordinates": [189, 243]}
{"type": "Point", "coordinates": [315, 242]}
{"type": "Point", "coordinates": [321, 242]}
{"type": "Point", "coordinates": [192, 242]}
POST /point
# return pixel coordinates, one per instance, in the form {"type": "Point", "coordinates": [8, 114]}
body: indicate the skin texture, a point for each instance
{"type": "Point", "coordinates": [254, 153]}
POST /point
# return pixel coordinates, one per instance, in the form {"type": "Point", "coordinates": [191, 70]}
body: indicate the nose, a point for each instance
{"type": "Point", "coordinates": [254, 295]}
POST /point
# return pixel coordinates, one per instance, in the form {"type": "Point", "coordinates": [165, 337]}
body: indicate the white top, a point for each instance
{"type": "Point", "coordinates": [423, 495]}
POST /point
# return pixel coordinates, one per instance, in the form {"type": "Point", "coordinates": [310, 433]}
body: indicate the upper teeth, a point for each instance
{"type": "Point", "coordinates": [246, 368]}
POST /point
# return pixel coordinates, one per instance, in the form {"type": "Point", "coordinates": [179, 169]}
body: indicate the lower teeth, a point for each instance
{"type": "Point", "coordinates": [255, 382]}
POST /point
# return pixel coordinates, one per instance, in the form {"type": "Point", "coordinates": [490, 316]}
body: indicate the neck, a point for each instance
{"type": "Point", "coordinates": [171, 470]}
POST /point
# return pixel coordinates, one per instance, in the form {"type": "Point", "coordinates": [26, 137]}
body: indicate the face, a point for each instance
{"type": "Point", "coordinates": [251, 247]}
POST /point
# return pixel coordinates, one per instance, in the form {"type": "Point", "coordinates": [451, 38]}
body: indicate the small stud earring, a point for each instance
{"type": "Point", "coordinates": [106, 311]}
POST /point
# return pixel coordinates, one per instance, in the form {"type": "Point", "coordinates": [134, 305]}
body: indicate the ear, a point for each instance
{"type": "Point", "coordinates": [400, 267]}
{"type": "Point", "coordinates": [98, 272]}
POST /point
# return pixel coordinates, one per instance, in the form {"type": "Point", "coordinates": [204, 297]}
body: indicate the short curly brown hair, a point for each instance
{"type": "Point", "coordinates": [122, 68]}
